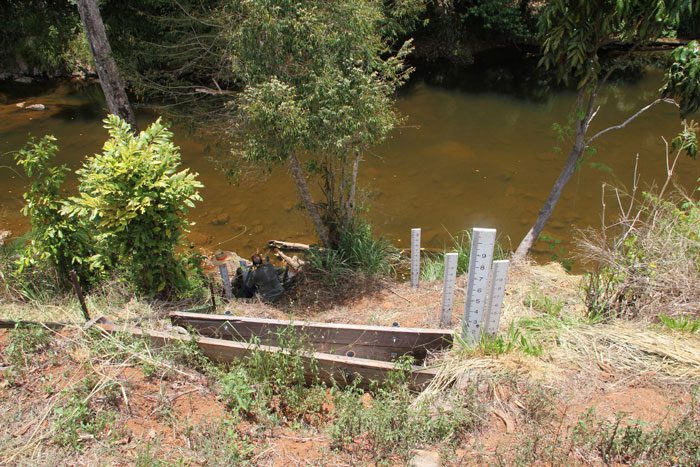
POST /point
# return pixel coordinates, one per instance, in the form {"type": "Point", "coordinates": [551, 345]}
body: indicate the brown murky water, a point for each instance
{"type": "Point", "coordinates": [463, 158]}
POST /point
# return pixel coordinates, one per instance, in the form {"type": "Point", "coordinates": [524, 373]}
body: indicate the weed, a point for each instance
{"type": "Point", "coordinates": [391, 424]}
{"type": "Point", "coordinates": [330, 265]}
{"type": "Point", "coordinates": [433, 267]}
{"type": "Point", "coordinates": [558, 253]}
{"type": "Point", "coordinates": [544, 304]}
{"type": "Point", "coordinates": [648, 261]}
{"type": "Point", "coordinates": [681, 323]}
{"type": "Point", "coordinates": [237, 391]}
{"type": "Point", "coordinates": [75, 419]}
{"type": "Point", "coordinates": [24, 341]}
{"type": "Point", "coordinates": [146, 457]}
{"type": "Point", "coordinates": [622, 441]}
{"type": "Point", "coordinates": [221, 444]}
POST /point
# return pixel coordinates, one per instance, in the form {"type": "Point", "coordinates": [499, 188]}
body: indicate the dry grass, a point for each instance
{"type": "Point", "coordinates": [648, 261]}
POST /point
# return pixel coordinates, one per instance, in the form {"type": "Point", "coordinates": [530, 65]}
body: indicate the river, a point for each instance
{"type": "Point", "coordinates": [477, 154]}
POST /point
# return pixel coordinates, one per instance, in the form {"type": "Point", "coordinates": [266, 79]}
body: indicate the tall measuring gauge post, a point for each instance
{"type": "Point", "coordinates": [480, 258]}
{"type": "Point", "coordinates": [415, 257]}
{"type": "Point", "coordinates": [497, 290]}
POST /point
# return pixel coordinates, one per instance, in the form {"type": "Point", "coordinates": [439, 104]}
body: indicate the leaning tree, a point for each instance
{"type": "Point", "coordinates": [574, 35]}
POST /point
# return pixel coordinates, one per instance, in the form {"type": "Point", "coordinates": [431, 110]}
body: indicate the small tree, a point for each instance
{"type": "Point", "coordinates": [54, 239]}
{"type": "Point", "coordinates": [318, 83]}
{"type": "Point", "coordinates": [136, 200]}
{"type": "Point", "coordinates": [575, 31]}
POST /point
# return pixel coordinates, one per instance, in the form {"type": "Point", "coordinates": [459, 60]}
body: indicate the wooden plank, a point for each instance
{"type": "Point", "coordinates": [288, 245]}
{"type": "Point", "coordinates": [332, 369]}
{"type": "Point", "coordinates": [373, 342]}
{"type": "Point", "coordinates": [11, 324]}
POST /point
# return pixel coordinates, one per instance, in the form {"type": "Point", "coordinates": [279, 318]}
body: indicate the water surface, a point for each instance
{"type": "Point", "coordinates": [465, 156]}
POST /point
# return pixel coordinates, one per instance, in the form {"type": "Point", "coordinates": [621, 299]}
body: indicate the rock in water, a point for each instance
{"type": "Point", "coordinates": [35, 107]}
{"type": "Point", "coordinates": [20, 104]}
{"type": "Point", "coordinates": [24, 80]}
{"type": "Point", "coordinates": [425, 459]}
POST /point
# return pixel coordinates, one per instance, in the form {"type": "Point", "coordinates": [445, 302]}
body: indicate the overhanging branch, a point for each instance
{"type": "Point", "coordinates": [629, 120]}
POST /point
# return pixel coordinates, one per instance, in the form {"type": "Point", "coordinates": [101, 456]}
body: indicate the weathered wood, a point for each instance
{"type": "Point", "coordinates": [372, 342]}
{"type": "Point", "coordinates": [11, 324]}
{"type": "Point", "coordinates": [331, 368]}
{"type": "Point", "coordinates": [293, 262]}
{"type": "Point", "coordinates": [79, 292]}
{"type": "Point", "coordinates": [282, 245]}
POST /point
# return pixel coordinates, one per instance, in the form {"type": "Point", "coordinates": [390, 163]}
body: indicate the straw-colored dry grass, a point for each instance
{"type": "Point", "coordinates": [648, 262]}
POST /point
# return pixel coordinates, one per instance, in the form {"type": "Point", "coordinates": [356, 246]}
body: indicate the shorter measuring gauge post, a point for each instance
{"type": "Point", "coordinates": [415, 257]}
{"type": "Point", "coordinates": [497, 290]}
{"type": "Point", "coordinates": [480, 258]}
{"type": "Point", "coordinates": [448, 291]}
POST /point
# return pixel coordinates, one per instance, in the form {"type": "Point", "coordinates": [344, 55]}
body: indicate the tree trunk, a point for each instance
{"type": "Point", "coordinates": [350, 205]}
{"type": "Point", "coordinates": [554, 195]}
{"type": "Point", "coordinates": [117, 100]}
{"type": "Point", "coordinates": [307, 200]}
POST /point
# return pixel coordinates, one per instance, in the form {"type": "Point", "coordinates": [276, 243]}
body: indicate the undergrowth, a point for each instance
{"type": "Point", "coordinates": [621, 441]}
{"type": "Point", "coordinates": [358, 250]}
{"type": "Point", "coordinates": [648, 261]}
{"type": "Point", "coordinates": [433, 266]}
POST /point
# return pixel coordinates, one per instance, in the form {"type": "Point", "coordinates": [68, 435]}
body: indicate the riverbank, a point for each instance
{"type": "Point", "coordinates": [489, 148]}
{"type": "Point", "coordinates": [521, 405]}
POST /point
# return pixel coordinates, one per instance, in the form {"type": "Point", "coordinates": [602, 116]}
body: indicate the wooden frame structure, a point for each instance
{"type": "Point", "coordinates": [331, 369]}
{"type": "Point", "coordinates": [350, 340]}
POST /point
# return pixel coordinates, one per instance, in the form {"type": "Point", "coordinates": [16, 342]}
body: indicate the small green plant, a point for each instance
{"type": "Point", "coordinates": [75, 418]}
{"type": "Point", "coordinates": [237, 390]}
{"type": "Point", "coordinates": [330, 265]}
{"type": "Point", "coordinates": [392, 424]}
{"type": "Point", "coordinates": [24, 341]}
{"type": "Point", "coordinates": [544, 304]}
{"type": "Point", "coordinates": [557, 251]}
{"type": "Point", "coordinates": [681, 323]}
{"type": "Point", "coordinates": [55, 239]}
{"type": "Point", "coordinates": [365, 252]}
{"type": "Point", "coordinates": [221, 444]}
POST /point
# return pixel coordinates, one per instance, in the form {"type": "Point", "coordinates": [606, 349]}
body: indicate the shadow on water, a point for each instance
{"type": "Point", "coordinates": [514, 73]}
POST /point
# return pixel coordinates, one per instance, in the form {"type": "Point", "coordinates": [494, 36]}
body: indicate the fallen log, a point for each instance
{"type": "Point", "coordinates": [288, 245]}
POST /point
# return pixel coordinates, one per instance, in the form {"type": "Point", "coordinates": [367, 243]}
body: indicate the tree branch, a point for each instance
{"type": "Point", "coordinates": [633, 117]}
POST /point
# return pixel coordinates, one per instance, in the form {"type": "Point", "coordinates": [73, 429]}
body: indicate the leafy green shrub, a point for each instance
{"type": "Point", "coordinates": [55, 239]}
{"type": "Point", "coordinates": [137, 200]}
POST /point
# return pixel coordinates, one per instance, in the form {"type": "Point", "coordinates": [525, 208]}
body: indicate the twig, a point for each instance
{"type": "Point", "coordinates": [400, 296]}
{"type": "Point", "coordinates": [626, 122]}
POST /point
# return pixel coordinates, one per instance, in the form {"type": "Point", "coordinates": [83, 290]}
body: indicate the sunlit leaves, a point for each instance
{"type": "Point", "coordinates": [682, 81]}
{"type": "Point", "coordinates": [574, 31]}
{"type": "Point", "coordinates": [136, 200]}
